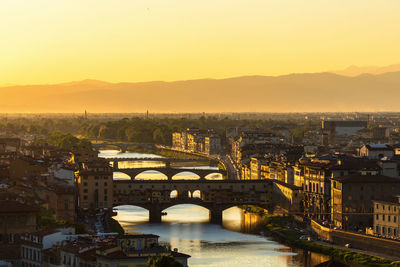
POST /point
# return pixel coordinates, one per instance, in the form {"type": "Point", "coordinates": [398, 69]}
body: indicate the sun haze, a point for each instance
{"type": "Point", "coordinates": [46, 41]}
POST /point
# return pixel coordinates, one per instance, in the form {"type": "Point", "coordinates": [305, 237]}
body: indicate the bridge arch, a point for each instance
{"type": "Point", "coordinates": [110, 146]}
{"type": "Point", "coordinates": [196, 194]}
{"type": "Point", "coordinates": [118, 175]}
{"type": "Point", "coordinates": [146, 175]}
{"type": "Point", "coordinates": [214, 176]}
{"type": "Point", "coordinates": [186, 175]}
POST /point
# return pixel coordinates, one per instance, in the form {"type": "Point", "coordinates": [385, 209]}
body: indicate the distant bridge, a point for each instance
{"type": "Point", "coordinates": [214, 195]}
{"type": "Point", "coordinates": [123, 147]}
{"type": "Point", "coordinates": [167, 161]}
{"type": "Point", "coordinates": [169, 172]}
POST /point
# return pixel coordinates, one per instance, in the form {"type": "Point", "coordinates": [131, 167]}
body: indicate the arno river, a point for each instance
{"type": "Point", "coordinates": [236, 243]}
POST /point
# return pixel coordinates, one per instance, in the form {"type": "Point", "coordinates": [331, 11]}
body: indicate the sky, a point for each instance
{"type": "Point", "coordinates": [48, 41]}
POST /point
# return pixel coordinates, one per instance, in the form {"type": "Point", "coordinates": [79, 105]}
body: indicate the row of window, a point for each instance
{"type": "Point", "coordinates": [105, 191]}
{"type": "Point", "coordinates": [388, 207]}
{"type": "Point", "coordinates": [314, 187]}
{"type": "Point", "coordinates": [388, 217]}
{"type": "Point", "coordinates": [85, 197]}
{"type": "Point", "coordinates": [96, 184]}
{"type": "Point", "coordinates": [25, 264]}
{"type": "Point", "coordinates": [13, 220]}
{"type": "Point", "coordinates": [386, 231]}
{"type": "Point", "coordinates": [31, 254]}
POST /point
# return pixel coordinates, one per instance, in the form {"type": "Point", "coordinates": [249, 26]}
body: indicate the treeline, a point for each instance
{"type": "Point", "coordinates": [137, 129]}
{"type": "Point", "coordinates": [65, 141]}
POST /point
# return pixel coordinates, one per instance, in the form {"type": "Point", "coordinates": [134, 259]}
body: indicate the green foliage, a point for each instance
{"type": "Point", "coordinates": [163, 261]}
{"type": "Point", "coordinates": [65, 141]}
{"type": "Point", "coordinates": [45, 219]}
{"type": "Point", "coordinates": [137, 129]}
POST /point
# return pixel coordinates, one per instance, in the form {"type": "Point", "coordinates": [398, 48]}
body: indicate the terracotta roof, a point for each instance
{"type": "Point", "coordinates": [359, 178]}
{"type": "Point", "coordinates": [89, 255]}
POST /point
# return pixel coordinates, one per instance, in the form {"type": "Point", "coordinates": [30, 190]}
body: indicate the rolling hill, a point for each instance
{"type": "Point", "coordinates": [288, 93]}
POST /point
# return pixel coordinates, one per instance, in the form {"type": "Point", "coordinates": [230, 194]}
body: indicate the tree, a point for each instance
{"type": "Point", "coordinates": [163, 261]}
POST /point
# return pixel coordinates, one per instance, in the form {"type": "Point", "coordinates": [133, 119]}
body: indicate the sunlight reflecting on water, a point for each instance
{"type": "Point", "coordinates": [186, 227]}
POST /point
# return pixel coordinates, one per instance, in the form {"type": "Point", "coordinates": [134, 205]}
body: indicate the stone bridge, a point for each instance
{"type": "Point", "coordinates": [121, 146]}
{"type": "Point", "coordinates": [166, 161]}
{"type": "Point", "coordinates": [169, 172]}
{"type": "Point", "coordinates": [214, 195]}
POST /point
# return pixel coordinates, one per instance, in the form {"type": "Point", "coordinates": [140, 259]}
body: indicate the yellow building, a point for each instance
{"type": "Point", "coordinates": [387, 217]}
{"type": "Point", "coordinates": [94, 181]}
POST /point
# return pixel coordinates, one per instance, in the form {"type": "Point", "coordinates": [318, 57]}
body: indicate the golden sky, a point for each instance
{"type": "Point", "coordinates": [51, 41]}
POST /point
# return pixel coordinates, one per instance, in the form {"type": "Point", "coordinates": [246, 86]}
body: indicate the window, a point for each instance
{"type": "Point", "coordinates": [85, 197]}
{"type": "Point", "coordinates": [105, 183]}
{"type": "Point", "coordinates": [388, 218]}
{"type": "Point", "coordinates": [85, 190]}
{"type": "Point", "coordinates": [394, 218]}
{"type": "Point", "coordinates": [383, 230]}
{"type": "Point", "coordinates": [389, 231]}
{"type": "Point", "coordinates": [377, 216]}
{"type": "Point", "coordinates": [383, 207]}
{"type": "Point", "coordinates": [383, 217]}
{"type": "Point", "coordinates": [84, 184]}
{"type": "Point", "coordinates": [395, 232]}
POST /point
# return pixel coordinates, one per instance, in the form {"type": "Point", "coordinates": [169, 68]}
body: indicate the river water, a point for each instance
{"type": "Point", "coordinates": [237, 242]}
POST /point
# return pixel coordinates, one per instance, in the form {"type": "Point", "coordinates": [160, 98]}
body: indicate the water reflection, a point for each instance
{"type": "Point", "coordinates": [186, 227]}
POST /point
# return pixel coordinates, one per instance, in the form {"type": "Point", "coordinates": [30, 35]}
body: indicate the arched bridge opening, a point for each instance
{"type": "Point", "coordinates": [185, 175]}
{"type": "Point", "coordinates": [151, 174]}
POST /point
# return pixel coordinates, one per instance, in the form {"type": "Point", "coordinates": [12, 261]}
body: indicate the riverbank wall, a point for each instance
{"type": "Point", "coordinates": [359, 241]}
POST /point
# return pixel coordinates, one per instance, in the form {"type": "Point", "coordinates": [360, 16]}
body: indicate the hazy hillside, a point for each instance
{"type": "Point", "coordinates": [356, 70]}
{"type": "Point", "coordinates": [288, 93]}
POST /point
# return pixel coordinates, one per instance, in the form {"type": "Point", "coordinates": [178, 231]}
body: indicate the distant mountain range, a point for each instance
{"type": "Point", "coordinates": [308, 92]}
{"type": "Point", "coordinates": [353, 71]}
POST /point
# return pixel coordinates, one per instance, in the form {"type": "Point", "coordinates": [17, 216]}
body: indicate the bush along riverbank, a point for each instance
{"type": "Point", "coordinates": [282, 229]}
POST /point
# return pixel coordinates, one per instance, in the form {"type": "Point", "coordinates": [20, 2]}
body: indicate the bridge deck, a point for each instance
{"type": "Point", "coordinates": [158, 159]}
{"type": "Point", "coordinates": [245, 182]}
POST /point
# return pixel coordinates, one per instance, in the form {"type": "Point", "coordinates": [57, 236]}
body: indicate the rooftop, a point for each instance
{"type": "Point", "coordinates": [359, 178]}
